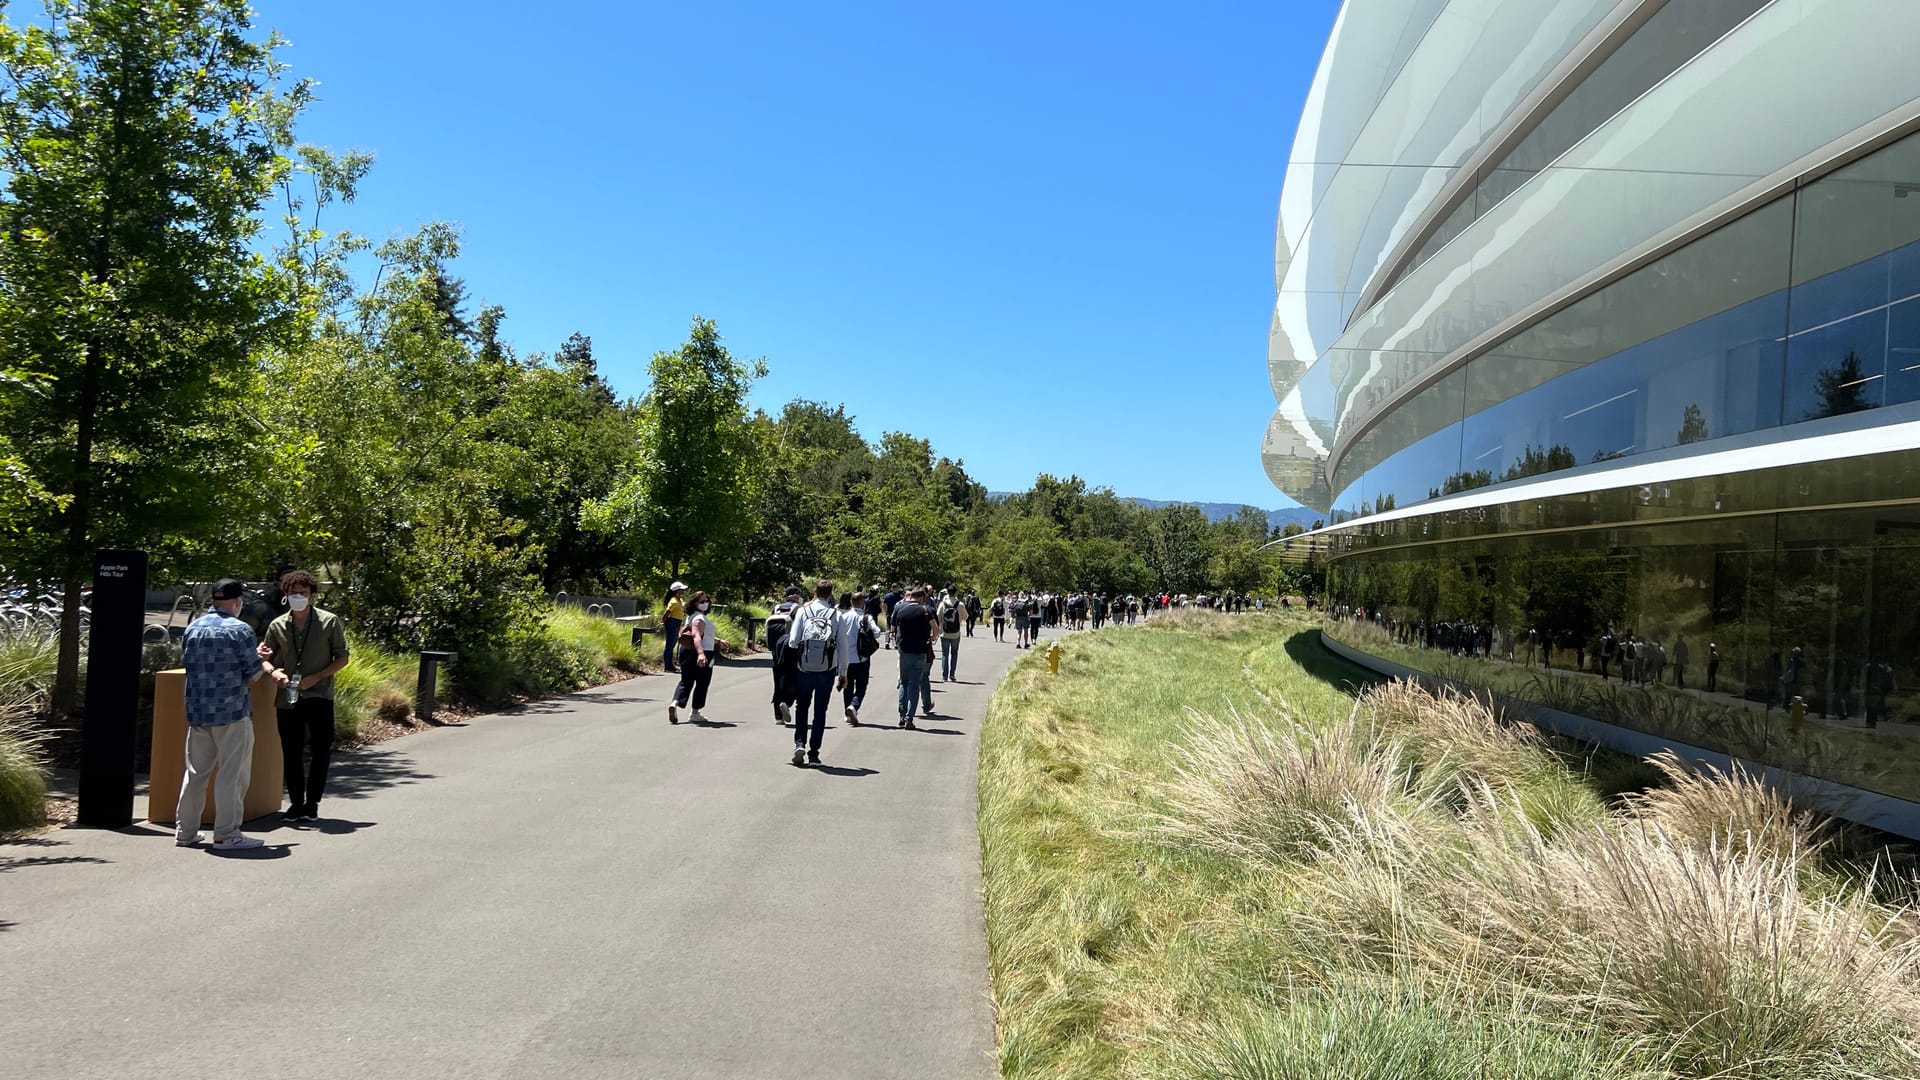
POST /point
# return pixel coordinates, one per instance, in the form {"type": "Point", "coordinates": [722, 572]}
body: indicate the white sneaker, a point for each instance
{"type": "Point", "coordinates": [698, 718]}
{"type": "Point", "coordinates": [238, 842]}
{"type": "Point", "coordinates": [673, 714]}
{"type": "Point", "coordinates": [190, 841]}
{"type": "Point", "coordinates": [786, 715]}
{"type": "Point", "coordinates": [852, 717]}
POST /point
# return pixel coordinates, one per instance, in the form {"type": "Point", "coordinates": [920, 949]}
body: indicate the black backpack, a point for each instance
{"type": "Point", "coordinates": [867, 642]}
{"type": "Point", "coordinates": [950, 619]}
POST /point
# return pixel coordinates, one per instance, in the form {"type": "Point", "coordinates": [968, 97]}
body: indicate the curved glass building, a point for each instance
{"type": "Point", "coordinates": [1598, 342]}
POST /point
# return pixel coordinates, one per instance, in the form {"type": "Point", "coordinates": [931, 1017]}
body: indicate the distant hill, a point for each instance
{"type": "Point", "coordinates": [1298, 515]}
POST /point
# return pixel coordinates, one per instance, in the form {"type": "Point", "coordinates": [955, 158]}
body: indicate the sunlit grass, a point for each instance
{"type": "Point", "coordinates": [1207, 853]}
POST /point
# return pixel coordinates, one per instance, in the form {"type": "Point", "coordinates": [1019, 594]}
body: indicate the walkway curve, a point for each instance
{"type": "Point", "coordinates": [575, 889]}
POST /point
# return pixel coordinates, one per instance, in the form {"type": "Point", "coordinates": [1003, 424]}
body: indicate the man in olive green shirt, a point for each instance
{"type": "Point", "coordinates": [310, 645]}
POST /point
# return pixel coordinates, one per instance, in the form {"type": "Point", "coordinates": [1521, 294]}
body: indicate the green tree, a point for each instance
{"type": "Point", "coordinates": [1177, 549]}
{"type": "Point", "coordinates": [686, 499]}
{"type": "Point", "coordinates": [1110, 567]}
{"type": "Point", "coordinates": [893, 533]}
{"type": "Point", "coordinates": [139, 141]}
{"type": "Point", "coordinates": [1237, 565]}
{"type": "Point", "coordinates": [1841, 388]}
{"type": "Point", "coordinates": [1693, 425]}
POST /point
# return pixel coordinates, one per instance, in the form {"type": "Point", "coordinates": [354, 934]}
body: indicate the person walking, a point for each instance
{"type": "Point", "coordinates": [785, 676]}
{"type": "Point", "coordinates": [309, 645]}
{"type": "Point", "coordinates": [1035, 612]}
{"type": "Point", "coordinates": [913, 625]}
{"type": "Point", "coordinates": [973, 610]}
{"type": "Point", "coordinates": [1019, 621]}
{"type": "Point", "coordinates": [671, 618]}
{"type": "Point", "coordinates": [952, 613]}
{"type": "Point", "coordinates": [998, 609]}
{"type": "Point", "coordinates": [222, 658]}
{"type": "Point", "coordinates": [814, 641]}
{"type": "Point", "coordinates": [858, 638]}
{"type": "Point", "coordinates": [887, 604]}
{"type": "Point", "coordinates": [696, 644]}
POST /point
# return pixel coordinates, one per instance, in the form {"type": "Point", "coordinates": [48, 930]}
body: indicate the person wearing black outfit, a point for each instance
{"type": "Point", "coordinates": [786, 677]}
{"type": "Point", "coordinates": [912, 623]}
{"type": "Point", "coordinates": [887, 604]}
{"type": "Point", "coordinates": [973, 610]}
{"type": "Point", "coordinates": [310, 645]}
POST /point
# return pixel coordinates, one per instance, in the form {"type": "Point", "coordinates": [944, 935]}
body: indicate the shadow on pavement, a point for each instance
{"type": "Point", "coordinates": [12, 862]}
{"type": "Point", "coordinates": [356, 775]}
{"type": "Point", "coordinates": [259, 854]}
{"type": "Point", "coordinates": [836, 770]}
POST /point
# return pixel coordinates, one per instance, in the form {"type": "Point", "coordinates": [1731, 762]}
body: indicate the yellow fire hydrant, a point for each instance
{"type": "Point", "coordinates": [1053, 658]}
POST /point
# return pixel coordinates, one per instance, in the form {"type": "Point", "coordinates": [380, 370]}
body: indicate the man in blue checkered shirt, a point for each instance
{"type": "Point", "coordinates": [222, 659]}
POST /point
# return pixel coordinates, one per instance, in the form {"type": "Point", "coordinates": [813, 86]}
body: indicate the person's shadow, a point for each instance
{"type": "Point", "coordinates": [269, 851]}
{"type": "Point", "coordinates": [837, 770]}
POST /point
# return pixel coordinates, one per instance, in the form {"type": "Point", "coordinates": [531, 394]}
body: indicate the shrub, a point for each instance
{"type": "Point", "coordinates": [1733, 811]}
{"type": "Point", "coordinates": [1245, 789]}
{"type": "Point", "coordinates": [610, 642]}
{"type": "Point", "coordinates": [370, 685]}
{"type": "Point", "coordinates": [1395, 1029]}
{"type": "Point", "coordinates": [23, 760]}
{"type": "Point", "coordinates": [28, 658]}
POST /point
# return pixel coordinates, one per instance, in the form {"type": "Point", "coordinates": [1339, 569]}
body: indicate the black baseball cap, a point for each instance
{"type": "Point", "coordinates": [229, 589]}
{"type": "Point", "coordinates": [793, 590]}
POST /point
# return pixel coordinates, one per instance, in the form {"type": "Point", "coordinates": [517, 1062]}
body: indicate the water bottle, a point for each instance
{"type": "Point", "coordinates": [293, 688]}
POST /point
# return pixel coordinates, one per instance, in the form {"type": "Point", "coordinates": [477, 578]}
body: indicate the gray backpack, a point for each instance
{"type": "Point", "coordinates": [814, 634]}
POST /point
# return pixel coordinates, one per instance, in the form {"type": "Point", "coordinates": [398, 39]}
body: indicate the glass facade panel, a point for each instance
{"type": "Point", "coordinates": [1677, 33]}
{"type": "Point", "coordinates": [1789, 639]}
{"type": "Point", "coordinates": [1806, 309]}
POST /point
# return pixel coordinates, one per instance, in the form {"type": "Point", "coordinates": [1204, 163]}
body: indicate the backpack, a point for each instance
{"type": "Point", "coordinates": [814, 636]}
{"type": "Point", "coordinates": [867, 642]}
{"type": "Point", "coordinates": [999, 608]}
{"type": "Point", "coordinates": [950, 619]}
{"type": "Point", "coordinates": [778, 623]}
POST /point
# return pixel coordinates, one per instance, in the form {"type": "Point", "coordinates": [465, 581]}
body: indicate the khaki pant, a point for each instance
{"type": "Point", "coordinates": [230, 748]}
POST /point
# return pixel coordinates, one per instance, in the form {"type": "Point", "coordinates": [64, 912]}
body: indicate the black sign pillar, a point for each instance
{"type": "Point", "coordinates": [113, 689]}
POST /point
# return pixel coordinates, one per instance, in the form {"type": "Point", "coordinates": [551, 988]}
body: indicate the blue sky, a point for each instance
{"type": "Point", "coordinates": [1040, 235]}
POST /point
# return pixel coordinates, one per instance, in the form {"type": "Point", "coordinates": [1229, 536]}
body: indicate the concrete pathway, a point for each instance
{"type": "Point", "coordinates": [576, 889]}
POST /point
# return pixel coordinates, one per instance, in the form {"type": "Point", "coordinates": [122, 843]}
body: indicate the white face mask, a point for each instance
{"type": "Point", "coordinates": [297, 602]}
{"type": "Point", "coordinates": [705, 607]}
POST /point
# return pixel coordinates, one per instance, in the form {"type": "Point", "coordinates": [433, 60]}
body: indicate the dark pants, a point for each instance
{"type": "Point", "coordinates": [670, 627]}
{"type": "Point", "coordinates": [856, 691]}
{"type": "Point", "coordinates": [693, 680]}
{"type": "Point", "coordinates": [971, 620]}
{"type": "Point", "coordinates": [816, 689]}
{"type": "Point", "coordinates": [308, 724]}
{"type": "Point", "coordinates": [999, 629]}
{"type": "Point", "coordinates": [786, 685]}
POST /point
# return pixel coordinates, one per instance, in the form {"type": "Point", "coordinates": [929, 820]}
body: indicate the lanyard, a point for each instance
{"type": "Point", "coordinates": [299, 642]}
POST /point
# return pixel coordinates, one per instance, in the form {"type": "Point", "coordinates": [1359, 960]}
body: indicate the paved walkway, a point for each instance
{"type": "Point", "coordinates": [574, 890]}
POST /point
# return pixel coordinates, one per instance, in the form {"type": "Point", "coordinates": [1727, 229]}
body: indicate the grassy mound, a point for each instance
{"type": "Point", "coordinates": [1213, 850]}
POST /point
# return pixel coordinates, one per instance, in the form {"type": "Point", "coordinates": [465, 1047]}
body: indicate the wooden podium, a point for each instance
{"type": "Point", "coordinates": [169, 763]}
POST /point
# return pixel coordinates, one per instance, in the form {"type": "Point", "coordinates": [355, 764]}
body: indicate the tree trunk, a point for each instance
{"type": "Point", "coordinates": [76, 561]}
{"type": "Point", "coordinates": [66, 679]}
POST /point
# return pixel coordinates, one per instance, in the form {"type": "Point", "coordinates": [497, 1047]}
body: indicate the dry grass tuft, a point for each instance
{"type": "Point", "coordinates": [1246, 789]}
{"type": "Point", "coordinates": [1734, 810]}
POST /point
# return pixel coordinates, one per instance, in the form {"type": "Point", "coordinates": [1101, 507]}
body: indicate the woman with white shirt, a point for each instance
{"type": "Point", "coordinates": [696, 648]}
{"type": "Point", "coordinates": [847, 621]}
